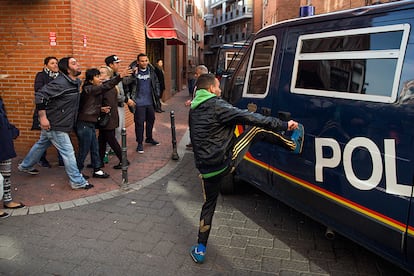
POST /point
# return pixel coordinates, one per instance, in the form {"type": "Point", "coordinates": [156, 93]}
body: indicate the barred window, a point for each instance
{"type": "Point", "coordinates": [362, 64]}
{"type": "Point", "coordinates": [260, 68]}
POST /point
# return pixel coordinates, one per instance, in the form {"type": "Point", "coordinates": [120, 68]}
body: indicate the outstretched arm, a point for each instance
{"type": "Point", "coordinates": [292, 125]}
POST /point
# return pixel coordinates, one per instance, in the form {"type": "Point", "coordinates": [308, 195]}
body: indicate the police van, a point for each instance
{"type": "Point", "coordinates": [348, 77]}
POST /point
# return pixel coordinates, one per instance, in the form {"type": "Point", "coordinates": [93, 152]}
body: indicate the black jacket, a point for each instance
{"type": "Point", "coordinates": [132, 84]}
{"type": "Point", "coordinates": [41, 79]}
{"type": "Point", "coordinates": [160, 75]}
{"type": "Point", "coordinates": [60, 99]}
{"type": "Point", "coordinates": [92, 98]}
{"type": "Point", "coordinates": [212, 125]}
{"type": "Point", "coordinates": [7, 135]}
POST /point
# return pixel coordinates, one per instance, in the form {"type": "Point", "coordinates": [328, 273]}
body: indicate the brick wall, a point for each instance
{"type": "Point", "coordinates": [111, 27]}
{"type": "Point", "coordinates": [323, 6]}
{"type": "Point", "coordinates": [257, 15]}
{"type": "Point", "coordinates": [277, 11]}
{"type": "Point", "coordinates": [280, 10]}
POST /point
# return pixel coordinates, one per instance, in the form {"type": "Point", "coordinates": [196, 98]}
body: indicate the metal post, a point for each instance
{"type": "Point", "coordinates": [124, 158]}
{"type": "Point", "coordinates": [174, 155]}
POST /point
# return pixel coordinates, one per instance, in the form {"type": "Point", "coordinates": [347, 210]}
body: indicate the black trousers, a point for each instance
{"type": "Point", "coordinates": [211, 189]}
{"type": "Point", "coordinates": [211, 186]}
{"type": "Point", "coordinates": [144, 115]}
{"type": "Point", "coordinates": [108, 136]}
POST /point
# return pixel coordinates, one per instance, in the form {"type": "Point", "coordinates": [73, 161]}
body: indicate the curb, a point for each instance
{"type": "Point", "coordinates": [132, 187]}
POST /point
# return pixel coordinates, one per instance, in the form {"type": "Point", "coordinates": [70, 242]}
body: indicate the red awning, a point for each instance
{"type": "Point", "coordinates": [161, 23]}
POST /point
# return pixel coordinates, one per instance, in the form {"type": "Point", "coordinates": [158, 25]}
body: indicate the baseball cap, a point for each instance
{"type": "Point", "coordinates": [112, 59]}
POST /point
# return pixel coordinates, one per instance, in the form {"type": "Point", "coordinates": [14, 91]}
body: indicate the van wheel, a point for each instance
{"type": "Point", "coordinates": [228, 185]}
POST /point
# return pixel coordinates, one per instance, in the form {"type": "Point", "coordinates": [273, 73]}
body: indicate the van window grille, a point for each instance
{"type": "Point", "coordinates": [363, 64]}
{"type": "Point", "coordinates": [260, 67]}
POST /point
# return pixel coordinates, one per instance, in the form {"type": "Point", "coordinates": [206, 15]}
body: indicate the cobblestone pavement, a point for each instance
{"type": "Point", "coordinates": [149, 228]}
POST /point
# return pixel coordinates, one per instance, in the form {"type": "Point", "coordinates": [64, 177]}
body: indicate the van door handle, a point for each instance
{"type": "Point", "coordinates": [266, 111]}
{"type": "Point", "coordinates": [284, 115]}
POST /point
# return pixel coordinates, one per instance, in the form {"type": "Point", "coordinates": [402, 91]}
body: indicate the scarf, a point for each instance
{"type": "Point", "coordinates": [51, 74]}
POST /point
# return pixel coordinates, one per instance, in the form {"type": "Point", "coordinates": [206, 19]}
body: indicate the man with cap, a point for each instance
{"type": "Point", "coordinates": [113, 62]}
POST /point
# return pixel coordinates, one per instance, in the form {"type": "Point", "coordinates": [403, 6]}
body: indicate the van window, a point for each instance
{"type": "Point", "coordinates": [233, 92]}
{"type": "Point", "coordinates": [260, 68]}
{"type": "Point", "coordinates": [361, 64]}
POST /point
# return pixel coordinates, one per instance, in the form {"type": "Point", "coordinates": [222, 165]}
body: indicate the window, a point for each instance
{"type": "Point", "coordinates": [362, 64]}
{"type": "Point", "coordinates": [233, 91]}
{"type": "Point", "coordinates": [260, 68]}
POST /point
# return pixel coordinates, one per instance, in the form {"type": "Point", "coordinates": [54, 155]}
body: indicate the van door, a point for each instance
{"type": "Point", "coordinates": [344, 80]}
{"type": "Point", "coordinates": [355, 172]}
{"type": "Point", "coordinates": [410, 236]}
{"type": "Point", "coordinates": [257, 96]}
{"type": "Point", "coordinates": [407, 102]}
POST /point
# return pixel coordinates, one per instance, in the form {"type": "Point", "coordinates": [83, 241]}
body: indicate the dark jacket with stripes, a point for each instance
{"type": "Point", "coordinates": [212, 125]}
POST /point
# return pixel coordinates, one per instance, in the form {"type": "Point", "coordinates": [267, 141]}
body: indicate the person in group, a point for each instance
{"type": "Point", "coordinates": [114, 63]}
{"type": "Point", "coordinates": [212, 124]}
{"type": "Point", "coordinates": [8, 132]}
{"type": "Point", "coordinates": [200, 70]}
{"type": "Point", "coordinates": [157, 98]}
{"type": "Point", "coordinates": [159, 70]}
{"type": "Point", "coordinates": [90, 106]}
{"type": "Point", "coordinates": [191, 79]}
{"type": "Point", "coordinates": [57, 103]}
{"type": "Point", "coordinates": [141, 96]}
{"type": "Point", "coordinates": [50, 72]}
{"type": "Point", "coordinates": [110, 104]}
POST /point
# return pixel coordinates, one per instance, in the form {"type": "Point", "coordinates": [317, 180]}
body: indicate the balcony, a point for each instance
{"type": "Point", "coordinates": [208, 29]}
{"type": "Point", "coordinates": [231, 38]}
{"type": "Point", "coordinates": [231, 16]}
{"type": "Point", "coordinates": [216, 3]}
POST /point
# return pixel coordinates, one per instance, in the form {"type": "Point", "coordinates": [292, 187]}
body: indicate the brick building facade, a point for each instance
{"type": "Point", "coordinates": [86, 30]}
{"type": "Point", "coordinates": [276, 11]}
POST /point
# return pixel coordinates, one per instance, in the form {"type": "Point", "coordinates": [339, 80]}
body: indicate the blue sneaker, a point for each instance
{"type": "Point", "coordinates": [197, 253]}
{"type": "Point", "coordinates": [298, 137]}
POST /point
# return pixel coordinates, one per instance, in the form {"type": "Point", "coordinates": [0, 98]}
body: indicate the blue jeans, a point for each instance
{"type": "Point", "coordinates": [87, 143]}
{"type": "Point", "coordinates": [63, 144]}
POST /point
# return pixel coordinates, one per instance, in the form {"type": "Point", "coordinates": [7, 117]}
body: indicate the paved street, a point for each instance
{"type": "Point", "coordinates": [148, 229]}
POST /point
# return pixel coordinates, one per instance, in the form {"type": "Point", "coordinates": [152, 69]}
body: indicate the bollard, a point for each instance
{"type": "Point", "coordinates": [124, 158]}
{"type": "Point", "coordinates": [174, 155]}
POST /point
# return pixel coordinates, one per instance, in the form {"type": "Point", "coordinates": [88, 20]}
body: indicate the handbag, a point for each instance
{"type": "Point", "coordinates": [103, 119]}
{"type": "Point", "coordinates": [131, 109]}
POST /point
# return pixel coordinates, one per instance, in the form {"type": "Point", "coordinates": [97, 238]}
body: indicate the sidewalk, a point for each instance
{"type": "Point", "coordinates": [50, 189]}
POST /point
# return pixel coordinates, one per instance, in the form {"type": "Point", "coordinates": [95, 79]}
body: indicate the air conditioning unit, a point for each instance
{"type": "Point", "coordinates": [189, 11]}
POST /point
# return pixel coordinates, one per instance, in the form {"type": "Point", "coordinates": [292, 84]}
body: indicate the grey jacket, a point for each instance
{"type": "Point", "coordinates": [60, 98]}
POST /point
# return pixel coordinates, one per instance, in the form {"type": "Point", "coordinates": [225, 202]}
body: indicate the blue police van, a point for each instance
{"type": "Point", "coordinates": [348, 77]}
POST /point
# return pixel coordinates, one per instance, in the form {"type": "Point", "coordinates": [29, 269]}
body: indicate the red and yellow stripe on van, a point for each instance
{"type": "Point", "coordinates": [334, 197]}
